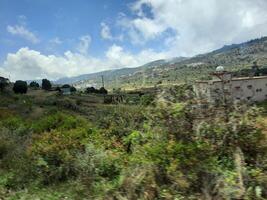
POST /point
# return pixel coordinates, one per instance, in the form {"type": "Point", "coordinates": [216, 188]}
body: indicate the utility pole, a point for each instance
{"type": "Point", "coordinates": [103, 84]}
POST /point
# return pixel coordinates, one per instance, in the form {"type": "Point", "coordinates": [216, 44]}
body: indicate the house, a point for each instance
{"type": "Point", "coordinates": [224, 88]}
{"type": "Point", "coordinates": [66, 89]}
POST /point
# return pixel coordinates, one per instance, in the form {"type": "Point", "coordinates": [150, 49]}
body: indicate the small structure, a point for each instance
{"type": "Point", "coordinates": [224, 88]}
{"type": "Point", "coordinates": [66, 91]}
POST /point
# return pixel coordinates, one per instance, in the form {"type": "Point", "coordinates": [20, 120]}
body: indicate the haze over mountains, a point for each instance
{"type": "Point", "coordinates": [175, 70]}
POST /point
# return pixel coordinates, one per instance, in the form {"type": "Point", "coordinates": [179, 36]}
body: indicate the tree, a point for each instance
{"type": "Point", "coordinates": [102, 90]}
{"type": "Point", "coordinates": [20, 87]}
{"type": "Point", "coordinates": [46, 84]}
{"type": "Point", "coordinates": [73, 89]}
{"type": "Point", "coordinates": [90, 90]}
{"type": "Point", "coordinates": [3, 83]}
{"type": "Point", "coordinates": [34, 84]}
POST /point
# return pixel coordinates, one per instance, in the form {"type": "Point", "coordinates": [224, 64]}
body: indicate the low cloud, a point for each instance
{"type": "Point", "coordinates": [27, 64]}
{"type": "Point", "coordinates": [23, 32]}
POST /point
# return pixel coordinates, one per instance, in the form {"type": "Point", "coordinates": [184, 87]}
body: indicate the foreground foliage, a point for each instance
{"type": "Point", "coordinates": [134, 152]}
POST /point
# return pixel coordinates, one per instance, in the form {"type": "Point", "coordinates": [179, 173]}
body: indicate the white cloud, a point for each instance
{"type": "Point", "coordinates": [105, 32]}
{"type": "Point", "coordinates": [85, 42]}
{"type": "Point", "coordinates": [107, 35]}
{"type": "Point", "coordinates": [27, 64]}
{"type": "Point", "coordinates": [117, 57]}
{"type": "Point", "coordinates": [197, 26]}
{"type": "Point", "coordinates": [55, 41]}
{"type": "Point", "coordinates": [23, 32]}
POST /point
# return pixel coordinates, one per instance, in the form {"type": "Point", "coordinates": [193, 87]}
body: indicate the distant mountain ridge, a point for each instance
{"type": "Point", "coordinates": [180, 69]}
{"type": "Point", "coordinates": [117, 72]}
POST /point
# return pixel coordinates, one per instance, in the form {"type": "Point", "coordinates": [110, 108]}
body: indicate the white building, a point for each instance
{"type": "Point", "coordinates": [224, 88]}
{"type": "Point", "coordinates": [66, 90]}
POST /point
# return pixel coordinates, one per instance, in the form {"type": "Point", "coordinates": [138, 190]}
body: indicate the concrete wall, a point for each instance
{"type": "Point", "coordinates": [252, 89]}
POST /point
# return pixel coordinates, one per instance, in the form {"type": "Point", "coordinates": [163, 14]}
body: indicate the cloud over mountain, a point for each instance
{"type": "Point", "coordinates": [29, 64]}
{"type": "Point", "coordinates": [149, 30]}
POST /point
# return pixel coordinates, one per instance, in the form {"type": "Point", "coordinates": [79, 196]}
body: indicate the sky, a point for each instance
{"type": "Point", "coordinates": [63, 38]}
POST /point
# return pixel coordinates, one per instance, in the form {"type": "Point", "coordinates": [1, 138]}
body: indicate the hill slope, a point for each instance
{"type": "Point", "coordinates": [177, 70]}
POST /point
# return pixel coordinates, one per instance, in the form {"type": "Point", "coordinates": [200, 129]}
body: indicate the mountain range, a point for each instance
{"type": "Point", "coordinates": [177, 70]}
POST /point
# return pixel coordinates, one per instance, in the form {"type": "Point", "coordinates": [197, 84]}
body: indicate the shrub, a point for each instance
{"type": "Point", "coordinates": [34, 84]}
{"type": "Point", "coordinates": [20, 87]}
{"type": "Point", "coordinates": [54, 150]}
{"type": "Point", "coordinates": [146, 99]}
{"type": "Point", "coordinates": [3, 83]}
{"type": "Point", "coordinates": [73, 89]}
{"type": "Point", "coordinates": [91, 90]}
{"type": "Point", "coordinates": [102, 90]}
{"type": "Point", "coordinates": [108, 99]}
{"type": "Point", "coordinates": [58, 121]}
{"type": "Point", "coordinates": [46, 84]}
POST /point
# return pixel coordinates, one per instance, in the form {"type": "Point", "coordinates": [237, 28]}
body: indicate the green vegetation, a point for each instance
{"type": "Point", "coordinates": [237, 57]}
{"type": "Point", "coordinates": [34, 85]}
{"type": "Point", "coordinates": [92, 90]}
{"type": "Point", "coordinates": [145, 144]}
{"type": "Point", "coordinates": [20, 87]}
{"type": "Point", "coordinates": [46, 84]}
{"type": "Point", "coordinates": [3, 83]}
{"type": "Point", "coordinates": [52, 147]}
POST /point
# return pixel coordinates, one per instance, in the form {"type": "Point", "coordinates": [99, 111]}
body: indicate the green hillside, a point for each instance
{"type": "Point", "coordinates": [180, 70]}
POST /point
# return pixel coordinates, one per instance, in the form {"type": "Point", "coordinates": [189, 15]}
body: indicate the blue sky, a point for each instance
{"type": "Point", "coordinates": [57, 38]}
{"type": "Point", "coordinates": [64, 19]}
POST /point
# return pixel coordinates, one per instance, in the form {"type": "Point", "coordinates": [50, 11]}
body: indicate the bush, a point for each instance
{"type": "Point", "coordinates": [34, 84]}
{"type": "Point", "coordinates": [20, 87]}
{"type": "Point", "coordinates": [90, 90]}
{"type": "Point", "coordinates": [3, 83]}
{"type": "Point", "coordinates": [102, 90]}
{"type": "Point", "coordinates": [146, 99]}
{"type": "Point", "coordinates": [46, 84]}
{"type": "Point", "coordinates": [73, 89]}
{"type": "Point", "coordinates": [59, 137]}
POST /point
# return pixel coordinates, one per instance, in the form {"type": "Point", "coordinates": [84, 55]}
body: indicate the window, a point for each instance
{"type": "Point", "coordinates": [249, 86]}
{"type": "Point", "coordinates": [248, 98]}
{"type": "Point", "coordinates": [259, 90]}
{"type": "Point", "coordinates": [237, 87]}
